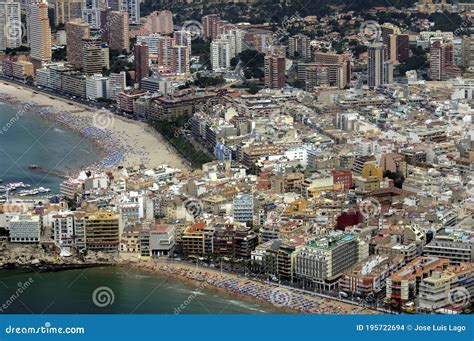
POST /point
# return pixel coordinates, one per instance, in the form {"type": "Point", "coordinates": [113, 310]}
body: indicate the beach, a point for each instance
{"type": "Point", "coordinates": [122, 141]}
{"type": "Point", "coordinates": [286, 299]}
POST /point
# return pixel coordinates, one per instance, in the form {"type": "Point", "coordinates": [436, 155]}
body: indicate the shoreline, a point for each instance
{"type": "Point", "coordinates": [119, 141]}
{"type": "Point", "coordinates": [200, 285]}
{"type": "Point", "coordinates": [280, 298]}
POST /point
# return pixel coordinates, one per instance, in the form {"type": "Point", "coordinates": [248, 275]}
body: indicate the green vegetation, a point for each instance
{"type": "Point", "coordinates": [397, 177]}
{"type": "Point", "coordinates": [253, 88]}
{"type": "Point", "coordinates": [252, 63]}
{"type": "Point", "coordinates": [59, 54]}
{"type": "Point", "coordinates": [418, 61]}
{"type": "Point", "coordinates": [202, 49]}
{"type": "Point", "coordinates": [18, 50]}
{"type": "Point", "coordinates": [205, 81]}
{"type": "Point", "coordinates": [446, 21]}
{"type": "Point", "coordinates": [171, 131]}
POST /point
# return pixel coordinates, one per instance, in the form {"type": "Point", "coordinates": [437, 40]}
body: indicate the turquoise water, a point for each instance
{"type": "Point", "coordinates": [32, 140]}
{"type": "Point", "coordinates": [134, 292]}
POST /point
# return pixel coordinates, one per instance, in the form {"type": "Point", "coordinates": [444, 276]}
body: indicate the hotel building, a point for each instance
{"type": "Point", "coordinates": [40, 34]}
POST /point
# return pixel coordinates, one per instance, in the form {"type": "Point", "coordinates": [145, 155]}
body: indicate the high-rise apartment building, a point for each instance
{"type": "Point", "coordinates": [141, 61]}
{"type": "Point", "coordinates": [339, 67]}
{"type": "Point", "coordinates": [442, 66]}
{"type": "Point", "coordinates": [67, 10]}
{"type": "Point", "coordinates": [275, 71]}
{"type": "Point", "coordinates": [40, 34]}
{"type": "Point", "coordinates": [159, 22]}
{"type": "Point", "coordinates": [95, 56]}
{"type": "Point", "coordinates": [132, 7]}
{"type": "Point", "coordinates": [210, 26]}
{"type": "Point", "coordinates": [387, 31]}
{"type": "Point", "coordinates": [379, 70]}
{"type": "Point", "coordinates": [182, 38]}
{"type": "Point", "coordinates": [234, 37]}
{"type": "Point", "coordinates": [91, 13]}
{"type": "Point", "coordinates": [299, 46]}
{"type": "Point", "coordinates": [220, 55]}
{"type": "Point", "coordinates": [118, 30]}
{"type": "Point", "coordinates": [165, 44]}
{"type": "Point", "coordinates": [10, 25]}
{"type": "Point", "coordinates": [75, 32]}
{"type": "Point", "coordinates": [180, 60]}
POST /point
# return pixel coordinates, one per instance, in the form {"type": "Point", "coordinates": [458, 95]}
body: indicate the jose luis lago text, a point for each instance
{"type": "Point", "coordinates": [439, 328]}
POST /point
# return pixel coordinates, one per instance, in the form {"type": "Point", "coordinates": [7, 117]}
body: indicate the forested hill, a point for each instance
{"type": "Point", "coordinates": [264, 10]}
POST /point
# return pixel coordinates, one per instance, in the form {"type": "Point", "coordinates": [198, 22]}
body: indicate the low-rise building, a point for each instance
{"type": "Point", "coordinates": [25, 228]}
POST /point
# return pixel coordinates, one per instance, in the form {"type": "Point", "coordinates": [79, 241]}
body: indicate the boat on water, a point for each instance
{"type": "Point", "coordinates": [13, 186]}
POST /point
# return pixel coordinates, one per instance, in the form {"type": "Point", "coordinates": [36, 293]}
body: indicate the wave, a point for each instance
{"type": "Point", "coordinates": [190, 292]}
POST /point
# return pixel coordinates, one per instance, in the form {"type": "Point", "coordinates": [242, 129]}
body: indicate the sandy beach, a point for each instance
{"type": "Point", "coordinates": [287, 301]}
{"type": "Point", "coordinates": [123, 142]}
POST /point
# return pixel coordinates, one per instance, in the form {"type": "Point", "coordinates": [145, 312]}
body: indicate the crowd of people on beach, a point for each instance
{"type": "Point", "coordinates": [281, 297]}
{"type": "Point", "coordinates": [113, 150]}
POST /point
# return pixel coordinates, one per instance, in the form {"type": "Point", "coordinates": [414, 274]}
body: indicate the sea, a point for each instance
{"type": "Point", "coordinates": [113, 290]}
{"type": "Point", "coordinates": [27, 139]}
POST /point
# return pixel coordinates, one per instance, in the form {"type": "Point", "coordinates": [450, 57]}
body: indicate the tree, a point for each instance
{"type": "Point", "coordinates": [397, 177]}
{"type": "Point", "coordinates": [253, 88]}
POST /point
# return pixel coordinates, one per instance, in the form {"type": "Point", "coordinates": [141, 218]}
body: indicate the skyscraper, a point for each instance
{"type": "Point", "coordinates": [299, 46]}
{"type": "Point", "coordinates": [442, 66]}
{"type": "Point", "coordinates": [95, 56]}
{"type": "Point", "coordinates": [67, 10]}
{"type": "Point", "coordinates": [339, 67]}
{"type": "Point", "coordinates": [220, 54]}
{"type": "Point", "coordinates": [165, 44]}
{"type": "Point", "coordinates": [10, 25]}
{"type": "Point", "coordinates": [40, 34]}
{"type": "Point", "coordinates": [234, 37]}
{"type": "Point", "coordinates": [75, 32]}
{"type": "Point", "coordinates": [375, 68]}
{"type": "Point", "coordinates": [182, 38]}
{"type": "Point", "coordinates": [91, 13]}
{"type": "Point", "coordinates": [132, 7]}
{"type": "Point", "coordinates": [140, 53]}
{"type": "Point", "coordinates": [210, 26]}
{"type": "Point", "coordinates": [118, 30]}
{"type": "Point", "coordinates": [275, 71]}
{"type": "Point", "coordinates": [180, 61]}
{"type": "Point", "coordinates": [159, 22]}
{"type": "Point", "coordinates": [181, 52]}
